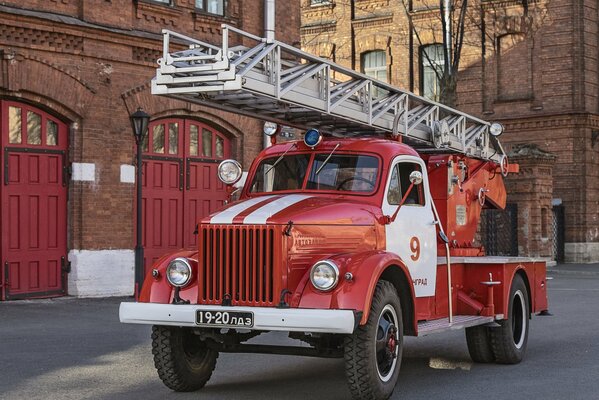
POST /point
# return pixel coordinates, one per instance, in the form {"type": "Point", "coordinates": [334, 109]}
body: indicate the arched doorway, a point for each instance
{"type": "Point", "coordinates": [33, 220]}
{"type": "Point", "coordinates": [180, 185]}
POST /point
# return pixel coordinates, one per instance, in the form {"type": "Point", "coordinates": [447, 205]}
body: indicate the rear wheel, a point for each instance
{"type": "Point", "coordinates": [373, 352]}
{"type": "Point", "coordinates": [509, 340]}
{"type": "Point", "coordinates": [479, 344]}
{"type": "Point", "coordinates": [183, 361]}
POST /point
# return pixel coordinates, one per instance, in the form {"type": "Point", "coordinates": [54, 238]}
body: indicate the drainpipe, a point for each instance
{"type": "Point", "coordinates": [269, 20]}
{"type": "Point", "coordinates": [269, 34]}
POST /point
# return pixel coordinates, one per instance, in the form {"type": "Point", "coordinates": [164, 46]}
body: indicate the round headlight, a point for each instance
{"type": "Point", "coordinates": [178, 272]}
{"type": "Point", "coordinates": [312, 138]}
{"type": "Point", "coordinates": [229, 171]}
{"type": "Point", "coordinates": [324, 275]}
{"type": "Point", "coordinates": [496, 129]}
{"type": "Point", "coordinates": [270, 128]}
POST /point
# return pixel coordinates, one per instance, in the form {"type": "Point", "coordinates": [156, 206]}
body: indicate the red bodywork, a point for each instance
{"type": "Point", "coordinates": [254, 264]}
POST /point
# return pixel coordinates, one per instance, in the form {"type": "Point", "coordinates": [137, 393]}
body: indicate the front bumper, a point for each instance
{"type": "Point", "coordinates": [265, 318]}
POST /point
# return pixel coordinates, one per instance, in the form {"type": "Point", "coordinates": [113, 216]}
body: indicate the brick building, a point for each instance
{"type": "Point", "coordinates": [532, 65]}
{"type": "Point", "coordinates": [71, 73]}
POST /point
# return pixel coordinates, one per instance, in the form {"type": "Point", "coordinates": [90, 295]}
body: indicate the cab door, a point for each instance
{"type": "Point", "coordinates": [412, 236]}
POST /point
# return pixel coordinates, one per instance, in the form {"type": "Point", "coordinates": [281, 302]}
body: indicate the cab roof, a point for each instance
{"type": "Point", "coordinates": [386, 148]}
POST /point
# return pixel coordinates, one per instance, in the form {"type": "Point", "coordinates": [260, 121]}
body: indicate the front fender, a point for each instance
{"type": "Point", "coordinates": [158, 290]}
{"type": "Point", "coordinates": [366, 268]}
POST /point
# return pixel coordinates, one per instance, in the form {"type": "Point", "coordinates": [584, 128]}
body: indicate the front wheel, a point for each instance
{"type": "Point", "coordinates": [183, 361]}
{"type": "Point", "coordinates": [510, 339]}
{"type": "Point", "coordinates": [373, 353]}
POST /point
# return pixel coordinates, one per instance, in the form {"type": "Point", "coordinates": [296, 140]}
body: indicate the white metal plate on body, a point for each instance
{"type": "Point", "coordinates": [265, 318]}
{"type": "Point", "coordinates": [413, 226]}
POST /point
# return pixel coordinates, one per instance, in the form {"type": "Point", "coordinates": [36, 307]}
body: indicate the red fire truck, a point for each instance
{"type": "Point", "coordinates": [350, 239]}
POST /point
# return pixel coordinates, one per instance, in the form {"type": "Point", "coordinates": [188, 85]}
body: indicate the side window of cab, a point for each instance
{"type": "Point", "coordinates": [400, 182]}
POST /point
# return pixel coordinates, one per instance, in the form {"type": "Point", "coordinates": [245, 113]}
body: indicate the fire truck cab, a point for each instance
{"type": "Point", "coordinates": [351, 239]}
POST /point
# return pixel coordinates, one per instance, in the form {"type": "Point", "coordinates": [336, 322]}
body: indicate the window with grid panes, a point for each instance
{"type": "Point", "coordinates": [211, 6]}
{"type": "Point", "coordinates": [431, 67]}
{"type": "Point", "coordinates": [374, 64]}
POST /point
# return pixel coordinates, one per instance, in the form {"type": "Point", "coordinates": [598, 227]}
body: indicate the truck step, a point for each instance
{"type": "Point", "coordinates": [443, 325]}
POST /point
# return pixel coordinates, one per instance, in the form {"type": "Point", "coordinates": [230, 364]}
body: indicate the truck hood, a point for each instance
{"type": "Point", "coordinates": [302, 209]}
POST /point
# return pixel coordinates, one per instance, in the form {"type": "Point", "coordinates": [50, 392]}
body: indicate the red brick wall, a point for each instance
{"type": "Point", "coordinates": [93, 70]}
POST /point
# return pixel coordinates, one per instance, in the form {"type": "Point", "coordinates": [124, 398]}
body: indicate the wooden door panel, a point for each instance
{"type": "Point", "coordinates": [162, 207]}
{"type": "Point", "coordinates": [180, 185]}
{"type": "Point", "coordinates": [34, 223]}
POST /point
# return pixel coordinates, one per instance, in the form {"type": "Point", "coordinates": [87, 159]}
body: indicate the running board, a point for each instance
{"type": "Point", "coordinates": [459, 322]}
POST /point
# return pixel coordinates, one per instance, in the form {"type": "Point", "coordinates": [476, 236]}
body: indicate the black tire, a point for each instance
{"type": "Point", "coordinates": [373, 352]}
{"type": "Point", "coordinates": [184, 362]}
{"type": "Point", "coordinates": [509, 340]}
{"type": "Point", "coordinates": [479, 344]}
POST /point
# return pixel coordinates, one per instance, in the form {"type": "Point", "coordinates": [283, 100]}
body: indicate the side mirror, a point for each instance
{"type": "Point", "coordinates": [416, 177]}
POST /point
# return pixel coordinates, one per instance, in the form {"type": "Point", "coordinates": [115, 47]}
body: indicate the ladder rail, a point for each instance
{"type": "Point", "coordinates": [278, 82]}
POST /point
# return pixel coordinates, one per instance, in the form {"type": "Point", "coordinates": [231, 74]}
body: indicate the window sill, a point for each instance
{"type": "Point", "coordinates": [198, 12]}
{"type": "Point", "coordinates": [330, 4]}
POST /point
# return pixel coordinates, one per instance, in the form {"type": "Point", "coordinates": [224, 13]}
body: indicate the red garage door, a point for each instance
{"type": "Point", "coordinates": [180, 185]}
{"type": "Point", "coordinates": [34, 202]}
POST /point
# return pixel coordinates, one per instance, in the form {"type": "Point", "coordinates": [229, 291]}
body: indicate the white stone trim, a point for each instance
{"type": "Point", "coordinates": [101, 273]}
{"type": "Point", "coordinates": [581, 252]}
{"type": "Point", "coordinates": [84, 172]}
{"type": "Point", "coordinates": [127, 173]}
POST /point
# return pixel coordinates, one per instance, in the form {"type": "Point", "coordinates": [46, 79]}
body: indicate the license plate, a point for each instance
{"type": "Point", "coordinates": [233, 319]}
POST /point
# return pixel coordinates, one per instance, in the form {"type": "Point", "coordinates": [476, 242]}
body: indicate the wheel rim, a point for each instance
{"type": "Point", "coordinates": [519, 319]}
{"type": "Point", "coordinates": [387, 343]}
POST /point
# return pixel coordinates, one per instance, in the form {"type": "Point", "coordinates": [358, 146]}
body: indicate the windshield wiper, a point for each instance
{"type": "Point", "coordinates": [280, 158]}
{"type": "Point", "coordinates": [326, 160]}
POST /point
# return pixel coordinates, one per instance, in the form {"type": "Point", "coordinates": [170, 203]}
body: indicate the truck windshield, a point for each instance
{"type": "Point", "coordinates": [353, 173]}
{"type": "Point", "coordinates": [287, 174]}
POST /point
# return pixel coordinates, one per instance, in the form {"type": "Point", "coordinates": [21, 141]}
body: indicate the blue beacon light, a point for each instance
{"type": "Point", "coordinates": [312, 138]}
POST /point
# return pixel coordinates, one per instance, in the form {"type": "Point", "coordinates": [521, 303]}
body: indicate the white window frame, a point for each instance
{"type": "Point", "coordinates": [378, 71]}
{"type": "Point", "coordinates": [202, 5]}
{"type": "Point", "coordinates": [429, 66]}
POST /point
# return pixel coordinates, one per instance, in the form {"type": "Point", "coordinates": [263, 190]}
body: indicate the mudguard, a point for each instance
{"type": "Point", "coordinates": [366, 269]}
{"type": "Point", "coordinates": [158, 290]}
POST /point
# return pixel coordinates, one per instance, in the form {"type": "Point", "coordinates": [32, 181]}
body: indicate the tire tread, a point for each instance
{"type": "Point", "coordinates": [170, 369]}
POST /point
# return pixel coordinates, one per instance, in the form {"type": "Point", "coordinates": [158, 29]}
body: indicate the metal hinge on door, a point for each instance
{"type": "Point", "coordinates": [67, 172]}
{"type": "Point", "coordinates": [5, 282]}
{"type": "Point", "coordinates": [65, 265]}
{"type": "Point", "coordinates": [6, 176]}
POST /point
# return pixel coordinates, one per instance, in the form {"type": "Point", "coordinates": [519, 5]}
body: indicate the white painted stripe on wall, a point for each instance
{"type": "Point", "coordinates": [226, 217]}
{"type": "Point", "coordinates": [261, 215]}
{"type": "Point", "coordinates": [100, 273]}
{"type": "Point", "coordinates": [84, 172]}
{"type": "Point", "coordinates": [127, 173]}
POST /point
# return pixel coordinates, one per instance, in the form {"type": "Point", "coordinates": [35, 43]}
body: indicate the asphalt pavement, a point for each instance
{"type": "Point", "coordinates": [71, 348]}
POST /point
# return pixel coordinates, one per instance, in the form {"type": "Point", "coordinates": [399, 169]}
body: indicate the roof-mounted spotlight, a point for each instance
{"type": "Point", "coordinates": [312, 138]}
{"type": "Point", "coordinates": [496, 129]}
{"type": "Point", "coordinates": [270, 128]}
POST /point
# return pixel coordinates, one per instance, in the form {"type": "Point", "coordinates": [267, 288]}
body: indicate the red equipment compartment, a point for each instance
{"type": "Point", "coordinates": [468, 273]}
{"type": "Point", "coordinates": [461, 187]}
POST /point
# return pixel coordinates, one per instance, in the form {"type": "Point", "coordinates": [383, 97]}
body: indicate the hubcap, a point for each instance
{"type": "Point", "coordinates": [387, 343]}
